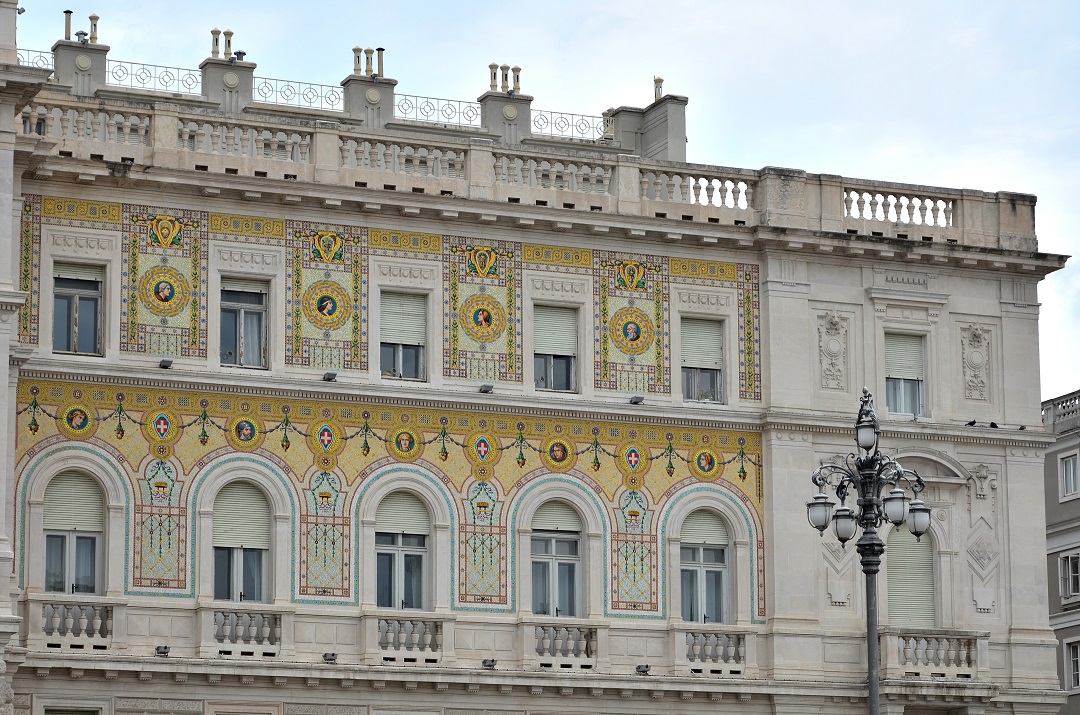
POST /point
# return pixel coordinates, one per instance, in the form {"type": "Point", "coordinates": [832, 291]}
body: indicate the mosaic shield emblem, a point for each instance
{"type": "Point", "coordinates": [165, 231]}
{"type": "Point", "coordinates": [162, 425]}
{"type": "Point", "coordinates": [327, 246]}
{"type": "Point", "coordinates": [483, 448]}
{"type": "Point", "coordinates": [631, 274]}
{"type": "Point", "coordinates": [326, 437]}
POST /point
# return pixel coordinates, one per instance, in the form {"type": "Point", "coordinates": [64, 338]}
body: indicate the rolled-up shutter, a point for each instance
{"type": "Point", "coordinates": [402, 513]}
{"type": "Point", "coordinates": [241, 517]}
{"type": "Point", "coordinates": [244, 285]}
{"type": "Point", "coordinates": [555, 330]}
{"type": "Point", "coordinates": [904, 356]}
{"type": "Point", "coordinates": [73, 502]}
{"type": "Point", "coordinates": [704, 527]}
{"type": "Point", "coordinates": [702, 343]}
{"type": "Point", "coordinates": [403, 318]}
{"type": "Point", "coordinates": [910, 574]}
{"type": "Point", "coordinates": [78, 271]}
{"type": "Point", "coordinates": [556, 516]}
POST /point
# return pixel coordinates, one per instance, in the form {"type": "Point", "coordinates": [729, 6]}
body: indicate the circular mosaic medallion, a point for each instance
{"type": "Point", "coordinates": [482, 318]}
{"type": "Point", "coordinates": [326, 438]}
{"type": "Point", "coordinates": [245, 433]}
{"type": "Point", "coordinates": [76, 421]}
{"type": "Point", "coordinates": [404, 445]}
{"type": "Point", "coordinates": [327, 305]}
{"type": "Point", "coordinates": [162, 427]}
{"type": "Point", "coordinates": [631, 331]}
{"type": "Point", "coordinates": [164, 291]}
{"type": "Point", "coordinates": [482, 449]}
{"type": "Point", "coordinates": [326, 462]}
{"type": "Point", "coordinates": [705, 464]}
{"type": "Point", "coordinates": [557, 454]}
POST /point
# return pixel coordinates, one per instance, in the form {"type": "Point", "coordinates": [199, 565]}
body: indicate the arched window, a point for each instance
{"type": "Point", "coordinates": [402, 532]}
{"type": "Point", "coordinates": [241, 543]}
{"type": "Point", "coordinates": [910, 567]}
{"type": "Point", "coordinates": [74, 526]}
{"type": "Point", "coordinates": [703, 558]}
{"type": "Point", "coordinates": [556, 560]}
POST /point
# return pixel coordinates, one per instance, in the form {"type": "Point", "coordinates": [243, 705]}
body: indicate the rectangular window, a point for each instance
{"type": "Point", "coordinates": [555, 563]}
{"type": "Point", "coordinates": [71, 562]}
{"type": "Point", "coordinates": [239, 574]}
{"type": "Point", "coordinates": [77, 296]}
{"type": "Point", "coordinates": [904, 374]}
{"type": "Point", "coordinates": [1070, 484]}
{"type": "Point", "coordinates": [243, 323]}
{"type": "Point", "coordinates": [402, 335]}
{"type": "Point", "coordinates": [399, 570]}
{"type": "Point", "coordinates": [702, 360]}
{"type": "Point", "coordinates": [555, 345]}
{"type": "Point", "coordinates": [702, 579]}
{"type": "Point", "coordinates": [1069, 570]}
{"type": "Point", "coordinates": [1072, 666]}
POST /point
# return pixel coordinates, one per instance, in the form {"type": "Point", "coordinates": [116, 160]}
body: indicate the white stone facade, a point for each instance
{"type": "Point", "coordinates": [331, 214]}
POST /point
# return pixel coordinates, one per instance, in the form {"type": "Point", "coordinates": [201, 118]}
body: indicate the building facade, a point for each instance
{"type": "Point", "coordinates": [343, 401]}
{"type": "Point", "coordinates": [1061, 416]}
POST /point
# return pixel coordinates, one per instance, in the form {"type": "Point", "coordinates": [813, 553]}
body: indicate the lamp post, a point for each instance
{"type": "Point", "coordinates": [868, 474]}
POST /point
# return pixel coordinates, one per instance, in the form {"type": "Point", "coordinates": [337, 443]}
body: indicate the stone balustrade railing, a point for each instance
{"type": "Point", "coordinates": [934, 654]}
{"type": "Point", "coordinates": [72, 623]}
{"type": "Point", "coordinates": [563, 645]}
{"type": "Point", "coordinates": [1062, 414]}
{"type": "Point", "coordinates": [420, 159]}
{"type": "Point", "coordinates": [714, 649]}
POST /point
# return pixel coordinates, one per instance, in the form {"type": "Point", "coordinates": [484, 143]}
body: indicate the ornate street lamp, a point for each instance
{"type": "Point", "coordinates": [868, 474]}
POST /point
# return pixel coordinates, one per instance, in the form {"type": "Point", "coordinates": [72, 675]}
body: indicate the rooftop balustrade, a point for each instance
{"type": "Point", "coordinates": [362, 133]}
{"type": "Point", "coordinates": [1062, 414]}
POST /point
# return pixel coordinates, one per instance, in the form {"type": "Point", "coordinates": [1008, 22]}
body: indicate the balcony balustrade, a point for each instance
{"type": "Point", "coordinates": [928, 654]}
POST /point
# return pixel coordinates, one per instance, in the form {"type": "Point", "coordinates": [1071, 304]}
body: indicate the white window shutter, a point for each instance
{"type": "Point", "coordinates": [241, 517]}
{"type": "Point", "coordinates": [78, 271]}
{"type": "Point", "coordinates": [403, 318]}
{"type": "Point", "coordinates": [702, 343]}
{"type": "Point", "coordinates": [73, 502]}
{"type": "Point", "coordinates": [244, 285]}
{"type": "Point", "coordinates": [910, 566]}
{"type": "Point", "coordinates": [402, 513]}
{"type": "Point", "coordinates": [904, 356]}
{"type": "Point", "coordinates": [556, 516]}
{"type": "Point", "coordinates": [704, 527]}
{"type": "Point", "coordinates": [555, 330]}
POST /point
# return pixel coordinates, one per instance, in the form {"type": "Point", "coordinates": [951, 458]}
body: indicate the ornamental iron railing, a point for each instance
{"type": "Point", "coordinates": [298, 94]}
{"type": "Point", "coordinates": [437, 111]}
{"type": "Point", "coordinates": [137, 75]}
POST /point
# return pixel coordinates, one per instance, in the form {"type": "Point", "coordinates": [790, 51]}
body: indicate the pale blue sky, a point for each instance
{"type": "Point", "coordinates": [964, 94]}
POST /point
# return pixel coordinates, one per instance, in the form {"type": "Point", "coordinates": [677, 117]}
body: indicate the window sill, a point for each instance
{"type": "Point", "coordinates": [395, 378]}
{"type": "Point", "coordinates": [230, 366]}
{"type": "Point", "coordinates": [549, 391]}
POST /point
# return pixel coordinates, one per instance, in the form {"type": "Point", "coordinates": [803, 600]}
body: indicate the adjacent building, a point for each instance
{"type": "Point", "coordinates": [337, 400]}
{"type": "Point", "coordinates": [1061, 416]}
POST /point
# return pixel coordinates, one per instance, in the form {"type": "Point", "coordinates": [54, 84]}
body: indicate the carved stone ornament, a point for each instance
{"type": "Point", "coordinates": [833, 350]}
{"type": "Point", "coordinates": [975, 350]}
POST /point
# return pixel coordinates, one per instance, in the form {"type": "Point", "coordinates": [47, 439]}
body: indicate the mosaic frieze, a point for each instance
{"type": "Point", "coordinates": [166, 442]}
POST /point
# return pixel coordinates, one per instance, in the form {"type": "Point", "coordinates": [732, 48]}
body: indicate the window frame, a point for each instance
{"type": "Point", "coordinates": [399, 551]}
{"type": "Point", "coordinates": [920, 409]}
{"type": "Point", "coordinates": [71, 560]}
{"type": "Point", "coordinates": [74, 294]}
{"type": "Point", "coordinates": [549, 372]}
{"type": "Point", "coordinates": [1069, 576]}
{"type": "Point", "coordinates": [701, 568]}
{"type": "Point", "coordinates": [241, 309]}
{"type": "Point", "coordinates": [720, 397]}
{"type": "Point", "coordinates": [236, 576]}
{"type": "Point", "coordinates": [396, 373]}
{"type": "Point", "coordinates": [1063, 491]}
{"type": "Point", "coordinates": [1070, 654]}
{"type": "Point", "coordinates": [553, 561]}
{"type": "Point", "coordinates": [549, 359]}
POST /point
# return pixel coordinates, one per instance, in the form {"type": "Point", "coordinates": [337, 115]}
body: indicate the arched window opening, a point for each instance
{"type": "Point", "coordinates": [556, 560]}
{"type": "Point", "coordinates": [703, 557]}
{"type": "Point", "coordinates": [402, 532]}
{"type": "Point", "coordinates": [241, 543]}
{"type": "Point", "coordinates": [74, 526]}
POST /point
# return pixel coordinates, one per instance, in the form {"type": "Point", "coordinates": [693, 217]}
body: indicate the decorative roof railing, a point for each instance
{"type": "Point", "coordinates": [455, 112]}
{"type": "Point", "coordinates": [138, 75]}
{"type": "Point", "coordinates": [298, 94]}
{"type": "Point", "coordinates": [563, 125]}
{"type": "Point", "coordinates": [36, 58]}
